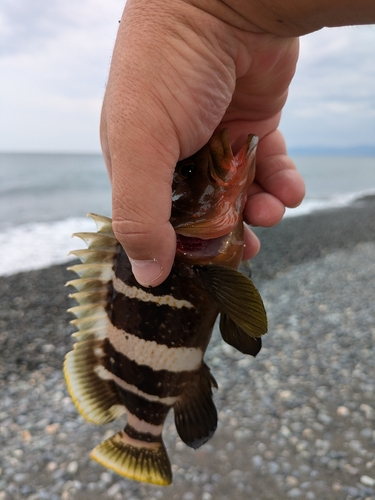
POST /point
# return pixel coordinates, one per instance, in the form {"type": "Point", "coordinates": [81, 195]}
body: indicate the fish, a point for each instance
{"type": "Point", "coordinates": [139, 351]}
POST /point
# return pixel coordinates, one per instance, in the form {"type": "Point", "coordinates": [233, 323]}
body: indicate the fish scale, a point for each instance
{"type": "Point", "coordinates": [139, 351]}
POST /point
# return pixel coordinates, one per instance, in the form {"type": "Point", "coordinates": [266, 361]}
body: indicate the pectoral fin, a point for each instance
{"type": "Point", "coordinates": [195, 413]}
{"type": "Point", "coordinates": [237, 297]}
{"type": "Point", "coordinates": [233, 335]}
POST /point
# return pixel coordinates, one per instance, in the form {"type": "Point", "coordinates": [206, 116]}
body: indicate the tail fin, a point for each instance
{"type": "Point", "coordinates": [137, 460]}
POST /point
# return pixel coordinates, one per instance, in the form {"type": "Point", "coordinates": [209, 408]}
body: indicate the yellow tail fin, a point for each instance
{"type": "Point", "coordinates": [141, 461]}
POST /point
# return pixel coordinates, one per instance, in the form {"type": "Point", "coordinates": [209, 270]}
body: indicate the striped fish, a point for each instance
{"type": "Point", "coordinates": [140, 350]}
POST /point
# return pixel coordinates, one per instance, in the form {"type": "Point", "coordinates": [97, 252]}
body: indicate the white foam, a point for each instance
{"type": "Point", "coordinates": [309, 206]}
{"type": "Point", "coordinates": [40, 244]}
{"type": "Point", "coordinates": [43, 244]}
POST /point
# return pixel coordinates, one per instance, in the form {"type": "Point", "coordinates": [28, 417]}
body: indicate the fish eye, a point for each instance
{"type": "Point", "coordinates": [186, 171]}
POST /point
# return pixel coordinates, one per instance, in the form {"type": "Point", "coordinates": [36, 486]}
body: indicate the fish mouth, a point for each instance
{"type": "Point", "coordinates": [191, 246]}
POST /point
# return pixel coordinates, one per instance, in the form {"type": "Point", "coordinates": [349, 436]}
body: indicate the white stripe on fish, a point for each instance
{"type": "Point", "coordinates": [105, 374]}
{"type": "Point", "coordinates": [132, 292]}
{"type": "Point", "coordinates": [156, 356]}
{"type": "Point", "coordinates": [143, 426]}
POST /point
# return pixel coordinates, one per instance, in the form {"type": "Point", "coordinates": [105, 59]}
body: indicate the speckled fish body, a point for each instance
{"type": "Point", "coordinates": [140, 350]}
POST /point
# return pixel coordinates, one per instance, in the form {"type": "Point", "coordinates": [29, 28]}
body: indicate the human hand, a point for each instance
{"type": "Point", "coordinates": [177, 74]}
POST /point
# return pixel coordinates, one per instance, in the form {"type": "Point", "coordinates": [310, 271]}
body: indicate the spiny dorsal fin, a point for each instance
{"type": "Point", "coordinates": [89, 310]}
{"type": "Point", "coordinates": [237, 297]}
{"type": "Point", "coordinates": [99, 271]}
{"type": "Point", "coordinates": [103, 224]}
{"type": "Point", "coordinates": [195, 414]}
{"type": "Point", "coordinates": [98, 321]}
{"type": "Point", "coordinates": [91, 297]}
{"type": "Point", "coordinates": [88, 256]}
{"type": "Point", "coordinates": [103, 241]}
{"type": "Point", "coordinates": [233, 335]}
{"type": "Point", "coordinates": [87, 284]}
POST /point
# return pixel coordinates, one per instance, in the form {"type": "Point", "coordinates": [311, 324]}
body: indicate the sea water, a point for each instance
{"type": "Point", "coordinates": [44, 198]}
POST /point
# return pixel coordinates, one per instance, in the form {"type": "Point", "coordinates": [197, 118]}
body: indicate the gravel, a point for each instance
{"type": "Point", "coordinates": [296, 422]}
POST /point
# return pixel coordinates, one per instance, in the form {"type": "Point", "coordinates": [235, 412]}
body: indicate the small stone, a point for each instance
{"type": "Point", "coordinates": [108, 434]}
{"type": "Point", "coordinates": [336, 486]}
{"type": "Point", "coordinates": [273, 467]}
{"type": "Point", "coordinates": [180, 446]}
{"type": "Point", "coordinates": [324, 418]}
{"type": "Point", "coordinates": [285, 431]}
{"type": "Point", "coordinates": [367, 481]}
{"type": "Point", "coordinates": [257, 461]}
{"type": "Point", "coordinates": [342, 411]}
{"type": "Point", "coordinates": [294, 493]}
{"type": "Point", "coordinates": [353, 492]}
{"type": "Point", "coordinates": [106, 477]}
{"type": "Point", "coordinates": [21, 476]}
{"type": "Point", "coordinates": [206, 496]}
{"type": "Point", "coordinates": [367, 410]}
{"type": "Point", "coordinates": [51, 466]}
{"type": "Point", "coordinates": [26, 436]}
{"type": "Point", "coordinates": [291, 481]}
{"type": "Point", "coordinates": [333, 464]}
{"type": "Point", "coordinates": [350, 469]}
{"type": "Point", "coordinates": [285, 395]}
{"type": "Point", "coordinates": [114, 489]}
{"type": "Point", "coordinates": [189, 495]}
{"type": "Point", "coordinates": [355, 445]}
{"type": "Point", "coordinates": [366, 433]}
{"type": "Point", "coordinates": [72, 467]}
{"type": "Point", "coordinates": [52, 429]}
{"type": "Point", "coordinates": [308, 433]}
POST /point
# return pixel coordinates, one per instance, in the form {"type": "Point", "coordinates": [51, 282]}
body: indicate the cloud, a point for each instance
{"type": "Point", "coordinates": [332, 97]}
{"type": "Point", "coordinates": [55, 61]}
{"type": "Point", "coordinates": [53, 72]}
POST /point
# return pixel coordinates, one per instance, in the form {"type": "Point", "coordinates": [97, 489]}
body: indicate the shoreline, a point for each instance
{"type": "Point", "coordinates": [295, 422]}
{"type": "Point", "coordinates": [39, 245]}
{"type": "Point", "coordinates": [297, 240]}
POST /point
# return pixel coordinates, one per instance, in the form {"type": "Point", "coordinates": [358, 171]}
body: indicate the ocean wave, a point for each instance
{"type": "Point", "coordinates": [42, 244]}
{"type": "Point", "coordinates": [309, 206]}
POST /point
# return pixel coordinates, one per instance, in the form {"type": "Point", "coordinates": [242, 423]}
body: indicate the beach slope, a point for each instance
{"type": "Point", "coordinates": [296, 422]}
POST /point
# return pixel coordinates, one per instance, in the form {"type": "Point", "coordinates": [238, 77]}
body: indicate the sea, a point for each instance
{"type": "Point", "coordinates": [44, 199]}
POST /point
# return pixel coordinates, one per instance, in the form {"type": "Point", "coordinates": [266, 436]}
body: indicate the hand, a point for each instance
{"type": "Point", "coordinates": [177, 74]}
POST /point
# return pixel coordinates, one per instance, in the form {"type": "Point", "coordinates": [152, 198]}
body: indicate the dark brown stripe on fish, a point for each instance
{"type": "Point", "coordinates": [162, 324]}
{"type": "Point", "coordinates": [161, 383]}
{"type": "Point", "coordinates": [151, 412]}
{"type": "Point", "coordinates": [142, 436]}
{"type": "Point", "coordinates": [174, 284]}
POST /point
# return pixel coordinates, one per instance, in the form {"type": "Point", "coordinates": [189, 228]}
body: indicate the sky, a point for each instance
{"type": "Point", "coordinates": [55, 58]}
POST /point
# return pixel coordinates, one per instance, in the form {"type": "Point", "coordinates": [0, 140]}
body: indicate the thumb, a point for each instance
{"type": "Point", "coordinates": [141, 207]}
{"type": "Point", "coordinates": [140, 147]}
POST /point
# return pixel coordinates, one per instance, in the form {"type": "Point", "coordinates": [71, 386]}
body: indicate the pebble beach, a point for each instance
{"type": "Point", "coordinates": [298, 421]}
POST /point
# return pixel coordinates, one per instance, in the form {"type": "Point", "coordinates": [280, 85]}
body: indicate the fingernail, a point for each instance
{"type": "Point", "coordinates": [146, 271]}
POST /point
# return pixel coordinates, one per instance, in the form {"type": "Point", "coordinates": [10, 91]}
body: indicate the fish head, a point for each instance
{"type": "Point", "coordinates": [208, 197]}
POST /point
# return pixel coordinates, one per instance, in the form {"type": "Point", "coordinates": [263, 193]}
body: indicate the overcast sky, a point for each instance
{"type": "Point", "coordinates": [55, 60]}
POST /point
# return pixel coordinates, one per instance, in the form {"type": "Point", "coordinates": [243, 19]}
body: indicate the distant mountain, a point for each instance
{"type": "Point", "coordinates": [332, 151]}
